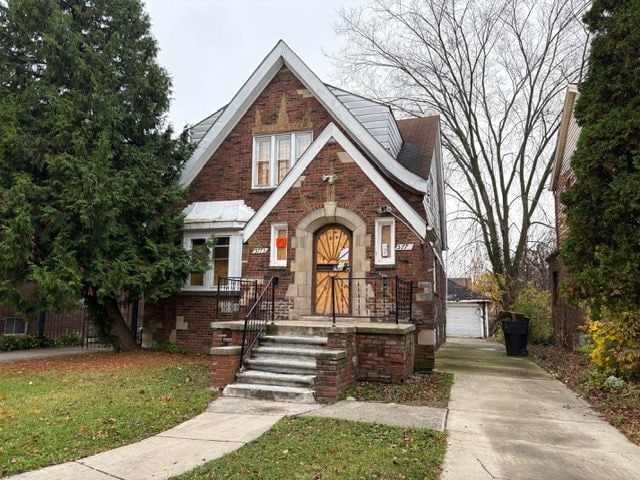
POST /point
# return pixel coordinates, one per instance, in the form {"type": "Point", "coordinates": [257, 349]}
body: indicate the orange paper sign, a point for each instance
{"type": "Point", "coordinates": [281, 242]}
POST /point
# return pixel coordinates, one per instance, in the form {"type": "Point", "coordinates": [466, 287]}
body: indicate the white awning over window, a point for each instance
{"type": "Point", "coordinates": [228, 214]}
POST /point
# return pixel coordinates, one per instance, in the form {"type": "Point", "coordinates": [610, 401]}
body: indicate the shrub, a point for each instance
{"type": "Point", "coordinates": [536, 304]}
{"type": "Point", "coordinates": [614, 343]}
{"type": "Point", "coordinates": [18, 342]}
{"type": "Point", "coordinates": [9, 343]}
{"type": "Point", "coordinates": [69, 340]}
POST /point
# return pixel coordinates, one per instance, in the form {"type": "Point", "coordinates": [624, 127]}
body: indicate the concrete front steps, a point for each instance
{"type": "Point", "coordinates": [282, 366]}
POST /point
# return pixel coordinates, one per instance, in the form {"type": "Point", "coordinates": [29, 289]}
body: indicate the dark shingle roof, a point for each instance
{"type": "Point", "coordinates": [420, 136]}
{"type": "Point", "coordinates": [460, 289]}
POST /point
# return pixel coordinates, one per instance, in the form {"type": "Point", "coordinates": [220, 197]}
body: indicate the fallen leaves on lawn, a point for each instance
{"type": "Point", "coordinates": [106, 362]}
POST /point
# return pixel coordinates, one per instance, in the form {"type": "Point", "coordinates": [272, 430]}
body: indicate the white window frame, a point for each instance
{"type": "Point", "coordinates": [273, 254]}
{"type": "Point", "coordinates": [235, 259]}
{"type": "Point", "coordinates": [14, 333]}
{"type": "Point", "coordinates": [379, 259]}
{"type": "Point", "coordinates": [273, 161]}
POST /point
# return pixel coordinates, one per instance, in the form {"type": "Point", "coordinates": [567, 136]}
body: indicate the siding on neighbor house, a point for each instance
{"type": "Point", "coordinates": [566, 177]}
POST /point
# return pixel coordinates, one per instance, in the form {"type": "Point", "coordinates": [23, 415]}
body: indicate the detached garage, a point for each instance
{"type": "Point", "coordinates": [467, 313]}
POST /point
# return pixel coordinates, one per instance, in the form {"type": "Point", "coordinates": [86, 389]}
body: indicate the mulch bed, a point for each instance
{"type": "Point", "coordinates": [619, 406]}
{"type": "Point", "coordinates": [102, 362]}
{"type": "Point", "coordinates": [428, 389]}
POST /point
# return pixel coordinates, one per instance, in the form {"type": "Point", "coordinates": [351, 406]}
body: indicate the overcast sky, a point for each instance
{"type": "Point", "coordinates": [210, 47]}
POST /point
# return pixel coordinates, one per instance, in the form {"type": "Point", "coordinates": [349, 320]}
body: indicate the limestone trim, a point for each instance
{"type": "Point", "coordinates": [302, 265]}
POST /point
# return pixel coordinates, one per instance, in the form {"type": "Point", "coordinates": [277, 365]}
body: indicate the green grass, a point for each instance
{"type": "Point", "coordinates": [60, 415]}
{"type": "Point", "coordinates": [317, 448]}
{"type": "Point", "coordinates": [427, 389]}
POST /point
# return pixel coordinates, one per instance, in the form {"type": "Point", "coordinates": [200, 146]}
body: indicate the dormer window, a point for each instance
{"type": "Point", "coordinates": [272, 156]}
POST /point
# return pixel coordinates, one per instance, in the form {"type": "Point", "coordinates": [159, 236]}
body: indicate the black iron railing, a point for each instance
{"type": "Point", "coordinates": [377, 298]}
{"type": "Point", "coordinates": [261, 313]}
{"type": "Point", "coordinates": [235, 298]}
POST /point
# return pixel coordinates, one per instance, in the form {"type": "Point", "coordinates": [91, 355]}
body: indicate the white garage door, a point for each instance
{"type": "Point", "coordinates": [464, 320]}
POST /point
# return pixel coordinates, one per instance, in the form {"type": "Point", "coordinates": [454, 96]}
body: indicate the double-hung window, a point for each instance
{"type": "Point", "coordinates": [224, 259]}
{"type": "Point", "coordinates": [15, 326]}
{"type": "Point", "coordinates": [274, 155]}
{"type": "Point", "coordinates": [385, 241]}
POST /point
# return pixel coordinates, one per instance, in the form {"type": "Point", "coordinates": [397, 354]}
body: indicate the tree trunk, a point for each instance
{"type": "Point", "coordinates": [107, 318]}
{"type": "Point", "coordinates": [121, 335]}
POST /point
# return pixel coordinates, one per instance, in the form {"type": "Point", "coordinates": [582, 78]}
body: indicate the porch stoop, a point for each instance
{"type": "Point", "coordinates": [283, 366]}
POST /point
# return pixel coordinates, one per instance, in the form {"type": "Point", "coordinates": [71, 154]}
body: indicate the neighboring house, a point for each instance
{"type": "Point", "coordinates": [566, 319]}
{"type": "Point", "coordinates": [56, 325]}
{"type": "Point", "coordinates": [323, 189]}
{"type": "Point", "coordinates": [467, 311]}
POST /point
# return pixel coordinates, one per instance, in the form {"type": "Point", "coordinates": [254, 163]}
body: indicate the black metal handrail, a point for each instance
{"type": "Point", "coordinates": [381, 298]}
{"type": "Point", "coordinates": [260, 314]}
{"type": "Point", "coordinates": [235, 297]}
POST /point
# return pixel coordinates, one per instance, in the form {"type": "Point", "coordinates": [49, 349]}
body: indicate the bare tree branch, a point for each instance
{"type": "Point", "coordinates": [495, 71]}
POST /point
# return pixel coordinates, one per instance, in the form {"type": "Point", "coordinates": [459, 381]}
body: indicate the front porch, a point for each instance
{"type": "Point", "coordinates": [311, 359]}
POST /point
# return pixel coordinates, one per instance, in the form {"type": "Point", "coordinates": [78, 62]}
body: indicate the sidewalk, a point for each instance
{"type": "Point", "coordinates": [228, 424]}
{"type": "Point", "coordinates": [38, 353]}
{"type": "Point", "coordinates": [509, 419]}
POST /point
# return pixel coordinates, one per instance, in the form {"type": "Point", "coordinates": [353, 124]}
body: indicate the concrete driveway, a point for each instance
{"type": "Point", "coordinates": [509, 419]}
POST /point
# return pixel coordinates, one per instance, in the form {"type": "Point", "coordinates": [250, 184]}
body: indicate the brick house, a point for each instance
{"type": "Point", "coordinates": [327, 191]}
{"type": "Point", "coordinates": [566, 319]}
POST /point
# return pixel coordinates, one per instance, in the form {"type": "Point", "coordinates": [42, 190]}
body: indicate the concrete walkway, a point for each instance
{"type": "Point", "coordinates": [38, 353]}
{"type": "Point", "coordinates": [509, 419]}
{"type": "Point", "coordinates": [227, 425]}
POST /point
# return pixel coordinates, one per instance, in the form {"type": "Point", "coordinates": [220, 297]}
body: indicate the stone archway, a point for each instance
{"type": "Point", "coordinates": [302, 265]}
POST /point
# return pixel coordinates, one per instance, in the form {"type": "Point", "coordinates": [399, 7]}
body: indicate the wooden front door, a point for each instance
{"type": "Point", "coordinates": [332, 258]}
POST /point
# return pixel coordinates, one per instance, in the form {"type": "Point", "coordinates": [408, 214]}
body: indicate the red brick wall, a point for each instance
{"type": "Point", "coordinates": [385, 358]}
{"type": "Point", "coordinates": [353, 191]}
{"type": "Point", "coordinates": [227, 175]}
{"type": "Point", "coordinates": [334, 376]}
{"type": "Point", "coordinates": [223, 369]}
{"type": "Point", "coordinates": [567, 320]}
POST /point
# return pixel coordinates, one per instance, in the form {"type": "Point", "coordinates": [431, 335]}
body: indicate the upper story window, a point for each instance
{"type": "Point", "coordinates": [274, 155]}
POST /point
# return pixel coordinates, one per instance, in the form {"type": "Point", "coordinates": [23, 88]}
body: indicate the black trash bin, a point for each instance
{"type": "Point", "coordinates": [516, 329]}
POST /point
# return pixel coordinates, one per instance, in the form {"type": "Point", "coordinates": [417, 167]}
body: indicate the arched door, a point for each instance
{"type": "Point", "coordinates": [332, 259]}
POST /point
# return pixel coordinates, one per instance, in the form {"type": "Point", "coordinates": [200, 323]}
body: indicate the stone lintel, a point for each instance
{"type": "Point", "coordinates": [225, 351]}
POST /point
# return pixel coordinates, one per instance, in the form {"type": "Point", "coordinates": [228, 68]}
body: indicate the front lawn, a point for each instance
{"type": "Point", "coordinates": [314, 448]}
{"type": "Point", "coordinates": [426, 389]}
{"type": "Point", "coordinates": [60, 409]}
{"type": "Point", "coordinates": [618, 402]}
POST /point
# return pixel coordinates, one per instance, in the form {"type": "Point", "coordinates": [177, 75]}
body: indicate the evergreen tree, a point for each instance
{"type": "Point", "coordinates": [602, 251]}
{"type": "Point", "coordinates": [90, 207]}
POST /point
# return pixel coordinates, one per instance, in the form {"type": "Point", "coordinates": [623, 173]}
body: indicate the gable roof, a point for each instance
{"type": "Point", "coordinates": [331, 131]}
{"type": "Point", "coordinates": [420, 136]}
{"type": "Point", "coordinates": [280, 56]}
{"type": "Point", "coordinates": [571, 96]}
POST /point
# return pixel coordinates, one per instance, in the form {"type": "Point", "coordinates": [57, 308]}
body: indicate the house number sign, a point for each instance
{"type": "Point", "coordinates": [404, 247]}
{"type": "Point", "coordinates": [260, 250]}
